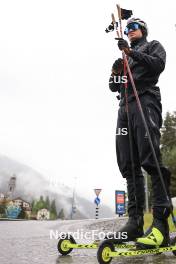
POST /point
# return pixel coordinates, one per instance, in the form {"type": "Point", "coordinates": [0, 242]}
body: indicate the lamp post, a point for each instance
{"type": "Point", "coordinates": [73, 206]}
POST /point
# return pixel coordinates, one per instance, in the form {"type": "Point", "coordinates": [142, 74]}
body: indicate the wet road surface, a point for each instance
{"type": "Point", "coordinates": [24, 242]}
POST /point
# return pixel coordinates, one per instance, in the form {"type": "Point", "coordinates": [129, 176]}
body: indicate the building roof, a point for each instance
{"type": "Point", "coordinates": [19, 198]}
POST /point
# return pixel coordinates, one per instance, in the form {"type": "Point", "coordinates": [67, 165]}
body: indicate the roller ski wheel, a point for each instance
{"type": "Point", "coordinates": [63, 245]}
{"type": "Point", "coordinates": [104, 250]}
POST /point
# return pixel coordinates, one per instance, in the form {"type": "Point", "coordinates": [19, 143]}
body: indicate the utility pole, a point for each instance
{"type": "Point", "coordinates": [73, 206]}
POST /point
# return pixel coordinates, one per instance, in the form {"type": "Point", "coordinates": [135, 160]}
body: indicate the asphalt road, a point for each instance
{"type": "Point", "coordinates": [30, 242]}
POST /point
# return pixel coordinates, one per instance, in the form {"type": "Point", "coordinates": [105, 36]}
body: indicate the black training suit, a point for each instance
{"type": "Point", "coordinates": [146, 61]}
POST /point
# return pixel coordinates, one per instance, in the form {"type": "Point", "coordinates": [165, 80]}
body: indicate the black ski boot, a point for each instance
{"type": "Point", "coordinates": [156, 236]}
{"type": "Point", "coordinates": [132, 230]}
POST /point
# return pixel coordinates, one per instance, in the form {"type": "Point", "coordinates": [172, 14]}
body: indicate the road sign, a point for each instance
{"type": "Point", "coordinates": [120, 202]}
{"type": "Point", "coordinates": [97, 191]}
{"type": "Point", "coordinates": [97, 201]}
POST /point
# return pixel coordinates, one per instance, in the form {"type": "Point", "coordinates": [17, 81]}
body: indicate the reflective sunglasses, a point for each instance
{"type": "Point", "coordinates": [131, 27]}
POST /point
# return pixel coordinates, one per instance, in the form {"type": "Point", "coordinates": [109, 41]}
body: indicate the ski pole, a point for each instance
{"type": "Point", "coordinates": [127, 111]}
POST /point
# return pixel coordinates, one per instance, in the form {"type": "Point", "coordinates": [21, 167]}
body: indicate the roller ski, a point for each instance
{"type": "Point", "coordinates": [106, 251]}
{"type": "Point", "coordinates": [67, 244]}
{"type": "Point", "coordinates": [155, 241]}
{"type": "Point", "coordinates": [129, 232]}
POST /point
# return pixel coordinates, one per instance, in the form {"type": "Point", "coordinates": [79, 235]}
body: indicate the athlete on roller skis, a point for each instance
{"type": "Point", "coordinates": [147, 62]}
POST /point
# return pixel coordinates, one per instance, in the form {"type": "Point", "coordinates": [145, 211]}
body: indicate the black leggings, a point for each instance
{"type": "Point", "coordinates": [142, 153]}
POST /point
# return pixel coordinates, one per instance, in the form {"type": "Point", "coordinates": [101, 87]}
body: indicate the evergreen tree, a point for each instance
{"type": "Point", "coordinates": [170, 160]}
{"type": "Point", "coordinates": [168, 150]}
{"type": "Point", "coordinates": [32, 204]}
{"type": "Point", "coordinates": [2, 209]}
{"type": "Point", "coordinates": [61, 214]}
{"type": "Point", "coordinates": [41, 199]}
{"type": "Point", "coordinates": [37, 205]}
{"type": "Point", "coordinates": [53, 210]}
{"type": "Point", "coordinates": [168, 139]}
{"type": "Point", "coordinates": [168, 147]}
{"type": "Point", "coordinates": [47, 203]}
{"type": "Point", "coordinates": [41, 203]}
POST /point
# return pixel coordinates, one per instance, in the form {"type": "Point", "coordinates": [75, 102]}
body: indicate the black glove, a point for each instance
{"type": "Point", "coordinates": [117, 67]}
{"type": "Point", "coordinates": [123, 44]}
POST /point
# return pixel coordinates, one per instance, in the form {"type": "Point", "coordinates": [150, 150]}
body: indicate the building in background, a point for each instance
{"type": "Point", "coordinates": [2, 197]}
{"type": "Point", "coordinates": [11, 187]}
{"type": "Point", "coordinates": [43, 214]}
{"type": "Point", "coordinates": [25, 206]}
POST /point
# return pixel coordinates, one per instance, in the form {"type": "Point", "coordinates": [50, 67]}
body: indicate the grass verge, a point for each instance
{"type": "Point", "coordinates": [148, 221]}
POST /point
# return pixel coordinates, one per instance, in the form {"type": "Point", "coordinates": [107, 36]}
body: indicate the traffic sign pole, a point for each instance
{"type": "Point", "coordinates": [97, 202]}
{"type": "Point", "coordinates": [97, 212]}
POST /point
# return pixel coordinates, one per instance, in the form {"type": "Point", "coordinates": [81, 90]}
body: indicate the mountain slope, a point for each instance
{"type": "Point", "coordinates": [31, 184]}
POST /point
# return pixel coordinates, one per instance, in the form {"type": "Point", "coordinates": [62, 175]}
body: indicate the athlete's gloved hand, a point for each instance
{"type": "Point", "coordinates": [123, 45]}
{"type": "Point", "coordinates": [117, 67]}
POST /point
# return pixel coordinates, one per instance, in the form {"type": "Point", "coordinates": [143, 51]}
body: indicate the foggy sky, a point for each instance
{"type": "Point", "coordinates": [57, 114]}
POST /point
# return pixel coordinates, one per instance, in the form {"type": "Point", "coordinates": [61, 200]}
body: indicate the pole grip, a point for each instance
{"type": "Point", "coordinates": [119, 12]}
{"type": "Point", "coordinates": [113, 19]}
{"type": "Point", "coordinates": [120, 19]}
{"type": "Point", "coordinates": [115, 24]}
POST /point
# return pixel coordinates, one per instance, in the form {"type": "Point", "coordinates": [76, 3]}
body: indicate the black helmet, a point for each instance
{"type": "Point", "coordinates": [142, 24]}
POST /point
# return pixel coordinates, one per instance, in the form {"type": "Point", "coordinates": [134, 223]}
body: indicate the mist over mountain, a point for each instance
{"type": "Point", "coordinates": [30, 185]}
